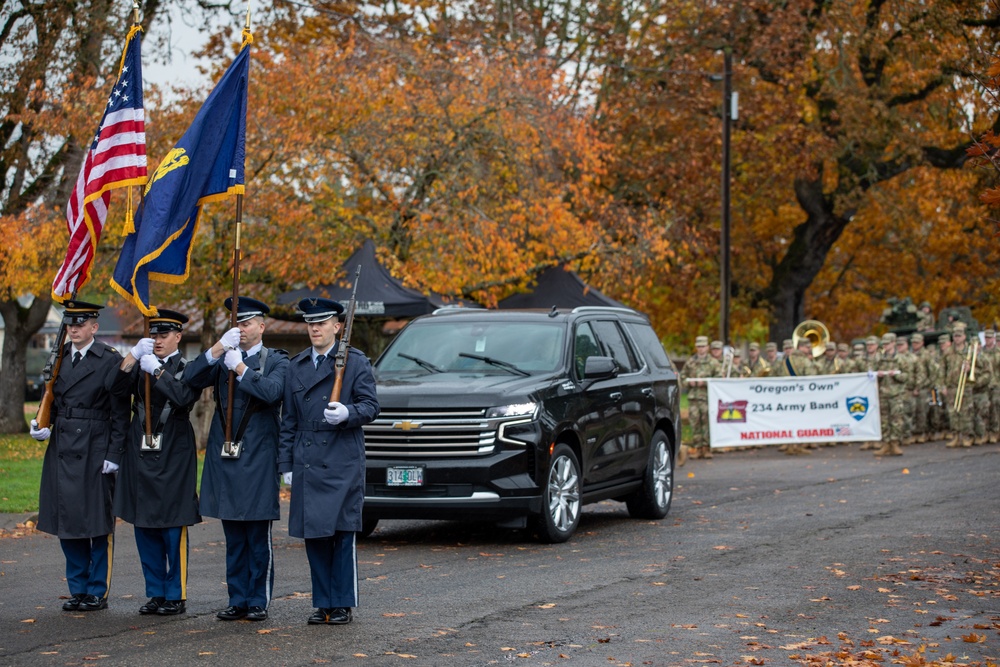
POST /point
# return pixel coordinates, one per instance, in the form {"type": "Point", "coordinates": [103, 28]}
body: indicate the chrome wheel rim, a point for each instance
{"type": "Point", "coordinates": [564, 494]}
{"type": "Point", "coordinates": [662, 473]}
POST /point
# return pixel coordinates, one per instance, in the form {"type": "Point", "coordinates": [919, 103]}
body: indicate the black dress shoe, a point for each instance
{"type": "Point", "coordinates": [152, 606]}
{"type": "Point", "coordinates": [257, 614]}
{"type": "Point", "coordinates": [233, 613]}
{"type": "Point", "coordinates": [172, 608]}
{"type": "Point", "coordinates": [319, 617]}
{"type": "Point", "coordinates": [73, 604]}
{"type": "Point", "coordinates": [339, 616]}
{"type": "Point", "coordinates": [93, 603]}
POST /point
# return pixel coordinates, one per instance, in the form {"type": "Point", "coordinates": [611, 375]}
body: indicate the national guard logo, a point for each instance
{"type": "Point", "coordinates": [732, 412]}
{"type": "Point", "coordinates": [857, 407]}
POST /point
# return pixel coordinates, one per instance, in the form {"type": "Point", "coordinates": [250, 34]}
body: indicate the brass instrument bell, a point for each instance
{"type": "Point", "coordinates": [817, 334]}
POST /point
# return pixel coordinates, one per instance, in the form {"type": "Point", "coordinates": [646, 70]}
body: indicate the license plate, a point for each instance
{"type": "Point", "coordinates": [408, 476]}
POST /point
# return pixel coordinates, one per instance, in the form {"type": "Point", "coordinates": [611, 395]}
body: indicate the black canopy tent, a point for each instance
{"type": "Point", "coordinates": [560, 287]}
{"type": "Point", "coordinates": [379, 294]}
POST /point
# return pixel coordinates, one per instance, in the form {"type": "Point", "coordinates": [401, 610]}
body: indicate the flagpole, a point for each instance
{"type": "Point", "coordinates": [233, 313]}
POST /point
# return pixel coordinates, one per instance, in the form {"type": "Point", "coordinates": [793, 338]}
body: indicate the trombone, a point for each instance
{"type": "Point", "coordinates": [970, 359]}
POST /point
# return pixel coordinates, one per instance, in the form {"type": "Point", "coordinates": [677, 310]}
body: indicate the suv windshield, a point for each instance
{"type": "Point", "coordinates": [480, 347]}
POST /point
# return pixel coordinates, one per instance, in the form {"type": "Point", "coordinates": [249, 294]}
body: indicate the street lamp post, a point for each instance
{"type": "Point", "coordinates": [728, 114]}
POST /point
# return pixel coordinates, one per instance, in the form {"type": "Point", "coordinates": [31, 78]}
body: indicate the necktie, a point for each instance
{"type": "Point", "coordinates": [320, 358]}
{"type": "Point", "coordinates": [244, 352]}
{"type": "Point", "coordinates": [76, 358]}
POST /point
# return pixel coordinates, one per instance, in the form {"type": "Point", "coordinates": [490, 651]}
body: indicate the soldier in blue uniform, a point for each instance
{"type": "Point", "coordinates": [239, 484]}
{"type": "Point", "coordinates": [88, 429]}
{"type": "Point", "coordinates": [322, 456]}
{"type": "Point", "coordinates": [157, 485]}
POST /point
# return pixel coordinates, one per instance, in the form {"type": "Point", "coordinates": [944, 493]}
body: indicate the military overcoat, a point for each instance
{"type": "Point", "coordinates": [158, 489]}
{"type": "Point", "coordinates": [88, 428]}
{"type": "Point", "coordinates": [243, 489]}
{"type": "Point", "coordinates": [327, 461]}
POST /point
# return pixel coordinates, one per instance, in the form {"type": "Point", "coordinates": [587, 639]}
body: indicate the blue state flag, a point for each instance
{"type": "Point", "coordinates": [207, 164]}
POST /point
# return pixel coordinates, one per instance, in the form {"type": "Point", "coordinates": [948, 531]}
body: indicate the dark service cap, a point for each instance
{"type": "Point", "coordinates": [247, 308]}
{"type": "Point", "coordinates": [78, 312]}
{"type": "Point", "coordinates": [167, 320]}
{"type": "Point", "coordinates": [316, 309]}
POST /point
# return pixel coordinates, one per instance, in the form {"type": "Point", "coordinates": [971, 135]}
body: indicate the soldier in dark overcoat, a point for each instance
{"type": "Point", "coordinates": [239, 484]}
{"type": "Point", "coordinates": [157, 485]}
{"type": "Point", "coordinates": [322, 455]}
{"type": "Point", "coordinates": [78, 481]}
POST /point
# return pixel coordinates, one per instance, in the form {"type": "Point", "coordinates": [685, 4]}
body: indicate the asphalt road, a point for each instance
{"type": "Point", "coordinates": [764, 559]}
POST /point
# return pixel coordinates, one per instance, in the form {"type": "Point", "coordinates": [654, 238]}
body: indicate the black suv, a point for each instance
{"type": "Point", "coordinates": [517, 416]}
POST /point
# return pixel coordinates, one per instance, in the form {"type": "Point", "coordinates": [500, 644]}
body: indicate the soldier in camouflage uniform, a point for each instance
{"type": "Point", "coordinates": [700, 365]}
{"type": "Point", "coordinates": [981, 397]}
{"type": "Point", "coordinates": [798, 363]}
{"type": "Point", "coordinates": [939, 417]}
{"type": "Point", "coordinates": [856, 362]}
{"type": "Point", "coordinates": [829, 363]}
{"type": "Point", "coordinates": [867, 364]}
{"type": "Point", "coordinates": [957, 363]}
{"type": "Point", "coordinates": [925, 371]}
{"type": "Point", "coordinates": [770, 360]}
{"type": "Point", "coordinates": [992, 352]}
{"type": "Point", "coordinates": [892, 383]}
{"type": "Point", "coordinates": [925, 318]}
{"type": "Point", "coordinates": [909, 363]}
{"type": "Point", "coordinates": [757, 366]}
{"type": "Point", "coordinates": [844, 354]}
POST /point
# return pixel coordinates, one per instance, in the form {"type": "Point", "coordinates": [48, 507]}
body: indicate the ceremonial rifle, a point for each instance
{"type": "Point", "coordinates": [49, 374]}
{"type": "Point", "coordinates": [340, 359]}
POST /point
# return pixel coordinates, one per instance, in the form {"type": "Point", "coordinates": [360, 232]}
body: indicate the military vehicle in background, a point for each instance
{"type": "Point", "coordinates": [903, 318]}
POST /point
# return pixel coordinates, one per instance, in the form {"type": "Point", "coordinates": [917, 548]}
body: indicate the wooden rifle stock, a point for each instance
{"type": "Point", "coordinates": [340, 359]}
{"type": "Point", "coordinates": [51, 373]}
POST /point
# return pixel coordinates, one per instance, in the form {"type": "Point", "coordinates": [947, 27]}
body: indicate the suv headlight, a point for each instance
{"type": "Point", "coordinates": [515, 410]}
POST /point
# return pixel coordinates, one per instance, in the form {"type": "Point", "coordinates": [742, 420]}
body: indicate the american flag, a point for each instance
{"type": "Point", "coordinates": [116, 158]}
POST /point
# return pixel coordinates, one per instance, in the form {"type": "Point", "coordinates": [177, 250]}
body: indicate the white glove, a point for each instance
{"type": "Point", "coordinates": [287, 478]}
{"type": "Point", "coordinates": [335, 413]}
{"type": "Point", "coordinates": [142, 348]}
{"type": "Point", "coordinates": [871, 375]}
{"type": "Point", "coordinates": [231, 339]}
{"type": "Point", "coordinates": [39, 433]}
{"type": "Point", "coordinates": [149, 363]}
{"type": "Point", "coordinates": [233, 359]}
{"type": "Point", "coordinates": [109, 468]}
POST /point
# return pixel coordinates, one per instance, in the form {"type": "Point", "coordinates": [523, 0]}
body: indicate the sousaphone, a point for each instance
{"type": "Point", "coordinates": [817, 334]}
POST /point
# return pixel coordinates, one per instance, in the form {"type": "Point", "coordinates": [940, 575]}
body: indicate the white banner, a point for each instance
{"type": "Point", "coordinates": [771, 411]}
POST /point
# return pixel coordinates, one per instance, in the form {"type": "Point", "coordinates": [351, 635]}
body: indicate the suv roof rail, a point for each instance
{"type": "Point", "coordinates": [605, 309]}
{"type": "Point", "coordinates": [454, 309]}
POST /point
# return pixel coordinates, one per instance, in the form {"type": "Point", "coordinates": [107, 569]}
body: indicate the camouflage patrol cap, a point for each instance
{"type": "Point", "coordinates": [844, 347]}
{"type": "Point", "coordinates": [871, 340]}
{"type": "Point", "coordinates": [958, 326]}
{"type": "Point", "coordinates": [917, 337]}
{"type": "Point", "coordinates": [888, 338]}
{"type": "Point", "coordinates": [737, 353]}
{"type": "Point", "coordinates": [990, 333]}
{"type": "Point", "coordinates": [830, 345]}
{"type": "Point", "coordinates": [787, 344]}
{"type": "Point", "coordinates": [925, 304]}
{"type": "Point", "coordinates": [859, 347]}
{"type": "Point", "coordinates": [701, 340]}
{"type": "Point", "coordinates": [755, 346]}
{"type": "Point", "coordinates": [944, 338]}
{"type": "Point", "coordinates": [771, 346]}
{"type": "Point", "coordinates": [716, 345]}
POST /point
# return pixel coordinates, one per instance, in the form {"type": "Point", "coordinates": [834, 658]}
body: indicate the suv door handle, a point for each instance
{"type": "Point", "coordinates": [616, 395]}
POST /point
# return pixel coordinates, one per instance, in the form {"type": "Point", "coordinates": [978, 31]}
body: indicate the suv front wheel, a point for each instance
{"type": "Point", "coordinates": [652, 499]}
{"type": "Point", "coordinates": [561, 497]}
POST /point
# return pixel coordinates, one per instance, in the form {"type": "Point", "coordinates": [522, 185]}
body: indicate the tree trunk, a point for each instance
{"type": "Point", "coordinates": [20, 325]}
{"type": "Point", "coordinates": [811, 242]}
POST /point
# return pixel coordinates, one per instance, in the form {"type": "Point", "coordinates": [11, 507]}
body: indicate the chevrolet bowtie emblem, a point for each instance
{"type": "Point", "coordinates": [407, 425]}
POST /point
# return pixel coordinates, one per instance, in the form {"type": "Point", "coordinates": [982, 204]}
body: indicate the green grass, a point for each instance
{"type": "Point", "coordinates": [21, 469]}
{"type": "Point", "coordinates": [20, 473]}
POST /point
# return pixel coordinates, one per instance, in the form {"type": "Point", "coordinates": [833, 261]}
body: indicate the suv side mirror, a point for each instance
{"type": "Point", "coordinates": [600, 368]}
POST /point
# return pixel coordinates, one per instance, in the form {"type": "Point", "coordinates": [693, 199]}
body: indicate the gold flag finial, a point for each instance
{"type": "Point", "coordinates": [135, 12]}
